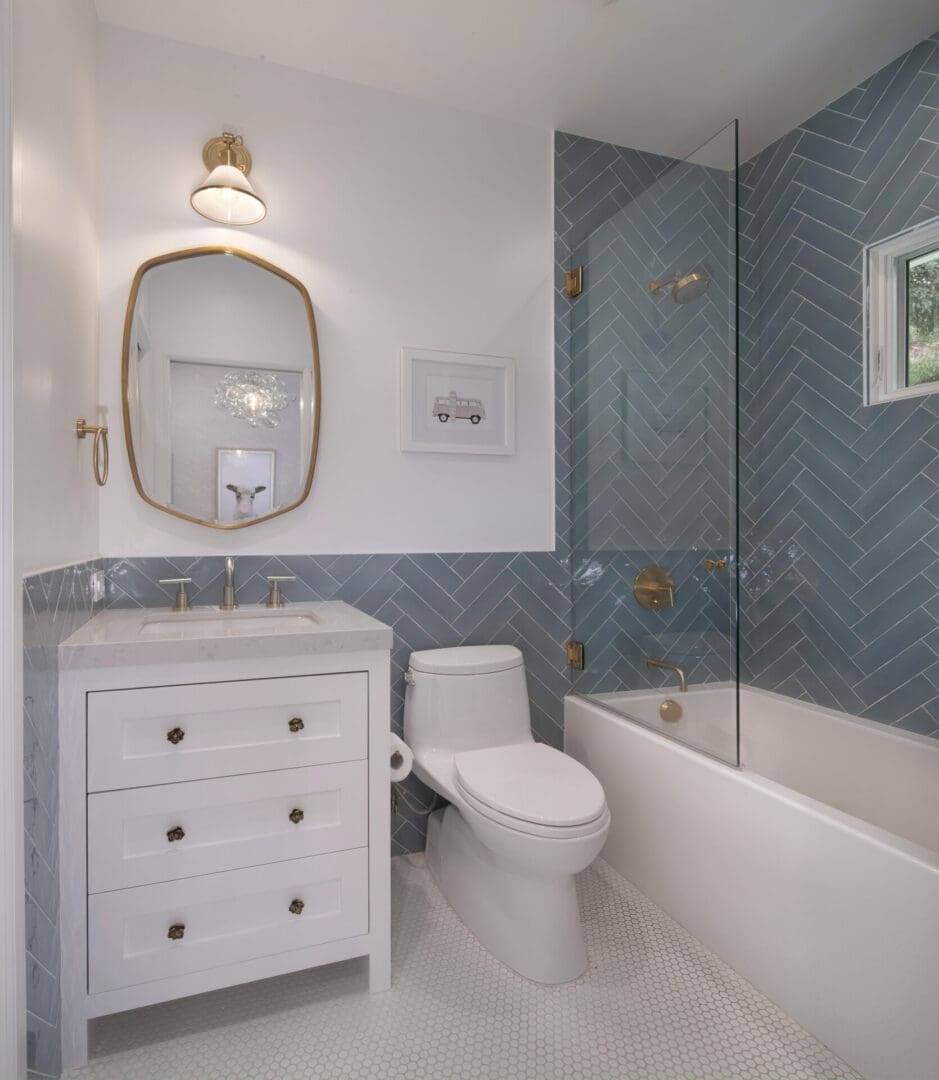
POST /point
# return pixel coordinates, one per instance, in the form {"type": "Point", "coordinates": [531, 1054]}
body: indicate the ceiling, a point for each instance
{"type": "Point", "coordinates": [660, 76]}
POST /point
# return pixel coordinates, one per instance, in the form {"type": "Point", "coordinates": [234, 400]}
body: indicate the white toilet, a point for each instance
{"type": "Point", "coordinates": [524, 818]}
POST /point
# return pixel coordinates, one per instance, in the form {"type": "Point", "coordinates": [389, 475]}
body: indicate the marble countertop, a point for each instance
{"type": "Point", "coordinates": [128, 635]}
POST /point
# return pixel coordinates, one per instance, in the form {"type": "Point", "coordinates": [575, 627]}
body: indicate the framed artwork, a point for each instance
{"type": "Point", "coordinates": [457, 403]}
{"type": "Point", "coordinates": [245, 484]}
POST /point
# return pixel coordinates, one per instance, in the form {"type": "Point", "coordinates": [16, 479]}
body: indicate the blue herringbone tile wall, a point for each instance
{"type": "Point", "coordinates": [650, 387]}
{"type": "Point", "coordinates": [840, 501]}
{"type": "Point", "coordinates": [55, 604]}
{"type": "Point", "coordinates": [430, 601]}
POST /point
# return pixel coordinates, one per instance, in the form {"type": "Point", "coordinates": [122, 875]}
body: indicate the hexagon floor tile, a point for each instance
{"type": "Point", "coordinates": [654, 1005]}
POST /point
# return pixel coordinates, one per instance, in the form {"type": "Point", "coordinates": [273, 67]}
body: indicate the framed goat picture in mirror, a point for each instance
{"type": "Point", "coordinates": [245, 484]}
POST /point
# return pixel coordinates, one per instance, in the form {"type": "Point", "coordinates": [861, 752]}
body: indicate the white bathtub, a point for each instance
{"type": "Point", "coordinates": [813, 870]}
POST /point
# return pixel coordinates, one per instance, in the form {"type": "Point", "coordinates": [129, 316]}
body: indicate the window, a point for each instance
{"type": "Point", "coordinates": [901, 315]}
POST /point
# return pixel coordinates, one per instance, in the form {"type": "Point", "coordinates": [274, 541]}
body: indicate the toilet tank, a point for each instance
{"type": "Point", "coordinates": [466, 698]}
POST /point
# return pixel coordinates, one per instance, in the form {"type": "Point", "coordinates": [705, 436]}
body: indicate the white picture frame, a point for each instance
{"type": "Point", "coordinates": [457, 403]}
{"type": "Point", "coordinates": [250, 470]}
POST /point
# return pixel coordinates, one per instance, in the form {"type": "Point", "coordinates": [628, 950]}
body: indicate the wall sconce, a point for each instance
{"type": "Point", "coordinates": [226, 195]}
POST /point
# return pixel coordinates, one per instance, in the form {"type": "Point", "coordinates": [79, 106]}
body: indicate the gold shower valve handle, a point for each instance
{"type": "Point", "coordinates": [176, 932]}
{"type": "Point", "coordinates": [296, 815]}
{"type": "Point", "coordinates": [654, 588]}
{"type": "Point", "coordinates": [176, 833]}
{"type": "Point", "coordinates": [715, 564]}
{"type": "Point", "coordinates": [296, 907]}
{"type": "Point", "coordinates": [176, 735]}
{"type": "Point", "coordinates": [295, 724]}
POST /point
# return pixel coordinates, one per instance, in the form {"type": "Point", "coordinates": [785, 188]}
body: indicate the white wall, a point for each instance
{"type": "Point", "coordinates": [410, 224]}
{"type": "Point", "coordinates": [55, 286]}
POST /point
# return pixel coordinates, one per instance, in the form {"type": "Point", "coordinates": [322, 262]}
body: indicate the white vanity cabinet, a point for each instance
{"type": "Point", "coordinates": [224, 805]}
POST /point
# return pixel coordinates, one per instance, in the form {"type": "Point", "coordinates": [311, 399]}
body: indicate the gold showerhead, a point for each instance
{"type": "Point", "coordinates": [685, 287]}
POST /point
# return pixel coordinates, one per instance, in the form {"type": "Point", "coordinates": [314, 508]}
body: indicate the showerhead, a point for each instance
{"type": "Point", "coordinates": [685, 287]}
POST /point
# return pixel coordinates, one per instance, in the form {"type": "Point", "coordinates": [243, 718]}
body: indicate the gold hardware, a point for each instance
{"type": "Point", "coordinates": [670, 710]}
{"type": "Point", "coordinates": [687, 287]}
{"type": "Point", "coordinates": [296, 907]}
{"type": "Point", "coordinates": [654, 662]}
{"type": "Point", "coordinates": [175, 834]}
{"type": "Point", "coordinates": [192, 253]}
{"type": "Point", "coordinates": [226, 149]}
{"type": "Point", "coordinates": [295, 724]}
{"type": "Point", "coordinates": [654, 588]}
{"type": "Point", "coordinates": [176, 931]}
{"type": "Point", "coordinates": [182, 597]}
{"type": "Point", "coordinates": [575, 655]}
{"type": "Point", "coordinates": [574, 282]}
{"type": "Point", "coordinates": [176, 736]}
{"type": "Point", "coordinates": [100, 457]}
{"type": "Point", "coordinates": [275, 598]}
{"type": "Point", "coordinates": [296, 815]}
{"type": "Point", "coordinates": [228, 586]}
{"type": "Point", "coordinates": [715, 564]}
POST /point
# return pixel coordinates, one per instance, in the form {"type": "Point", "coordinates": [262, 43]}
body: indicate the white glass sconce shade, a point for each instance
{"type": "Point", "coordinates": [228, 197]}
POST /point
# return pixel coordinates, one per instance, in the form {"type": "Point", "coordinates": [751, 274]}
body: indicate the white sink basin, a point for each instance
{"type": "Point", "coordinates": [214, 623]}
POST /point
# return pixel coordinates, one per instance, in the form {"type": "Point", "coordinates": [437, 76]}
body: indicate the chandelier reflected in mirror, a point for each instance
{"type": "Point", "coordinates": [257, 397]}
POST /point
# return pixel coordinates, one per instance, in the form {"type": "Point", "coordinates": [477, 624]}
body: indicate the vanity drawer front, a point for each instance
{"type": "Point", "coordinates": [224, 918]}
{"type": "Point", "coordinates": [133, 835]}
{"type": "Point", "coordinates": [164, 734]}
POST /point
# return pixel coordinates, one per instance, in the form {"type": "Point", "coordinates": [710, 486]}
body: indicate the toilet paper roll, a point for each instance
{"type": "Point", "coordinates": [401, 758]}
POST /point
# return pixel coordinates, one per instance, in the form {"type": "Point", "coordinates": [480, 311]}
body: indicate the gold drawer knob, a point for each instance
{"type": "Point", "coordinates": [176, 735]}
{"type": "Point", "coordinates": [176, 931]}
{"type": "Point", "coordinates": [295, 724]}
{"type": "Point", "coordinates": [175, 833]}
{"type": "Point", "coordinates": [296, 907]}
{"type": "Point", "coordinates": [296, 815]}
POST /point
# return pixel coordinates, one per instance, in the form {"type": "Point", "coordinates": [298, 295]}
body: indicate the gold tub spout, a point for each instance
{"type": "Point", "coordinates": [655, 662]}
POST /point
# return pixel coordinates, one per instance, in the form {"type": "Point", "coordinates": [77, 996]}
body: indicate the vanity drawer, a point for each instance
{"type": "Point", "coordinates": [134, 834]}
{"type": "Point", "coordinates": [164, 734]}
{"type": "Point", "coordinates": [224, 918]}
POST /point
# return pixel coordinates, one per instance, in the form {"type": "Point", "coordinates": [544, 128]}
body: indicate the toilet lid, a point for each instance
{"type": "Point", "coordinates": [531, 782]}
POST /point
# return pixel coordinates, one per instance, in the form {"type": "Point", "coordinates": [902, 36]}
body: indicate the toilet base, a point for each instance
{"type": "Point", "coordinates": [531, 924]}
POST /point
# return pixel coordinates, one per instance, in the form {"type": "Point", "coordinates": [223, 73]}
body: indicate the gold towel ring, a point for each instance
{"type": "Point", "coordinates": [99, 449]}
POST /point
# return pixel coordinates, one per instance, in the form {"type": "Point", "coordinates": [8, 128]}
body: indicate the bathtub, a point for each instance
{"type": "Point", "coordinates": [813, 869]}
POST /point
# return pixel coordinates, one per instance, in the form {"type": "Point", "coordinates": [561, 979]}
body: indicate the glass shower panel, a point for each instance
{"type": "Point", "coordinates": [654, 459]}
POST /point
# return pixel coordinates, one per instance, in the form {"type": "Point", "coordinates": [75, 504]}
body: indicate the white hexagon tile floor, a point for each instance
{"type": "Point", "coordinates": [654, 1005]}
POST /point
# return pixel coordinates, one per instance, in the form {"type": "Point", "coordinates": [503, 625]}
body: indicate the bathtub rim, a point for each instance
{"type": "Point", "coordinates": [844, 822]}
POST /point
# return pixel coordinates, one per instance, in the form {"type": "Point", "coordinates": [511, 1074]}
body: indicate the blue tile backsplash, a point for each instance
{"type": "Point", "coordinates": [839, 501]}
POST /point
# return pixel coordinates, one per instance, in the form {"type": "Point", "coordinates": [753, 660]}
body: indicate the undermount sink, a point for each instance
{"type": "Point", "coordinates": [215, 623]}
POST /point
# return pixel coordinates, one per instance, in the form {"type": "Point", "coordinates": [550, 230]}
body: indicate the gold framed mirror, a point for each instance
{"type": "Point", "coordinates": [220, 387]}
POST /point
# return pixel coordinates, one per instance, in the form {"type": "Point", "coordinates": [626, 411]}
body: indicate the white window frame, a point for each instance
{"type": "Point", "coordinates": [885, 324]}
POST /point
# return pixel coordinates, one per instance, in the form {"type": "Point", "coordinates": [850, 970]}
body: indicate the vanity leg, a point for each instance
{"type": "Point", "coordinates": [379, 973]}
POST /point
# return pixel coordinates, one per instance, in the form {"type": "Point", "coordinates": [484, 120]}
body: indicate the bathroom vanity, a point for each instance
{"type": "Point", "coordinates": [224, 802]}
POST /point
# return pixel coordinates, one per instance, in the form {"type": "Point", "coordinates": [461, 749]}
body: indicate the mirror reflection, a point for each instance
{"type": "Point", "coordinates": [221, 387]}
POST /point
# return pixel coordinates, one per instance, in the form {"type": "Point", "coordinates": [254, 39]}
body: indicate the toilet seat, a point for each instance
{"type": "Point", "coordinates": [532, 788]}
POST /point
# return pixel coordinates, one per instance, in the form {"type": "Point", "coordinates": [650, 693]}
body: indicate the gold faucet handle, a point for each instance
{"type": "Point", "coordinates": [182, 597]}
{"type": "Point", "coordinates": [276, 599]}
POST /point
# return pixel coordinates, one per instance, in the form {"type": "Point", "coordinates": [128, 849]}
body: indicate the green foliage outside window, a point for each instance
{"type": "Point", "coordinates": [922, 297]}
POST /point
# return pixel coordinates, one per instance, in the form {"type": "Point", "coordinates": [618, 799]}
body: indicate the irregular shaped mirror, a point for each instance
{"type": "Point", "coordinates": [221, 387]}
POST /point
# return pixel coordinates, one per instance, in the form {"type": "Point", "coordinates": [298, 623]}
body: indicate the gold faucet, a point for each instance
{"type": "Point", "coordinates": [655, 662]}
{"type": "Point", "coordinates": [228, 588]}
